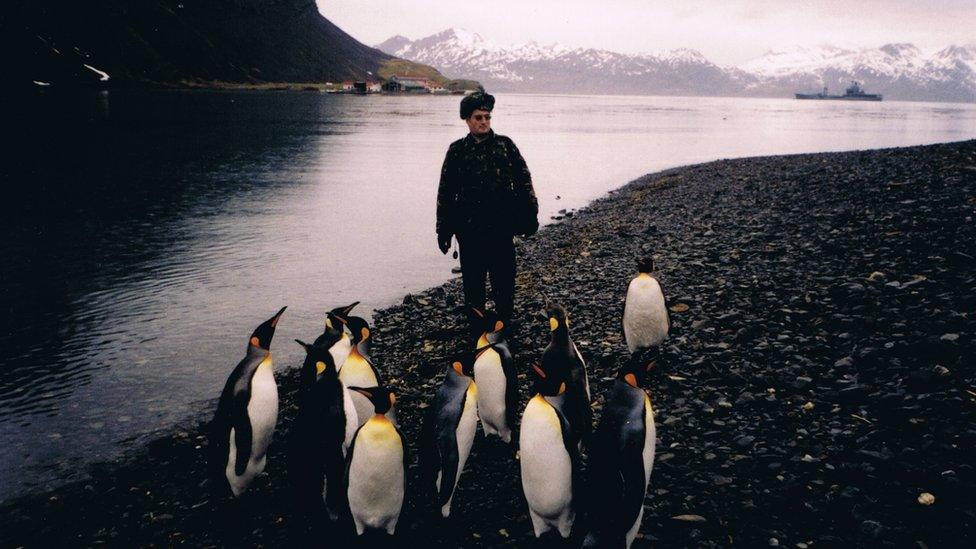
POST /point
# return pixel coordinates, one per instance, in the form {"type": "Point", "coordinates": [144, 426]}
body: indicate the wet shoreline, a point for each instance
{"type": "Point", "coordinates": [818, 384]}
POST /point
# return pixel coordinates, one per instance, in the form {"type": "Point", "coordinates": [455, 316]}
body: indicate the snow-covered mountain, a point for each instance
{"type": "Point", "coordinates": [899, 71]}
{"type": "Point", "coordinates": [535, 67]}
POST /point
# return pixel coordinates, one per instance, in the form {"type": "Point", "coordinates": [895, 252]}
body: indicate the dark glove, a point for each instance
{"type": "Point", "coordinates": [444, 243]}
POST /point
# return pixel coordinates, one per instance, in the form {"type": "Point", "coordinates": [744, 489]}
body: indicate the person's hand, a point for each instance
{"type": "Point", "coordinates": [444, 243]}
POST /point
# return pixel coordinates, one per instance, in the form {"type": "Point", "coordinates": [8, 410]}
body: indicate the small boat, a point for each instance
{"type": "Point", "coordinates": [854, 92]}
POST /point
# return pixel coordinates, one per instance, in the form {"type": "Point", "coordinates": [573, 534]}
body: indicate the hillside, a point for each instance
{"type": "Point", "coordinates": [180, 43]}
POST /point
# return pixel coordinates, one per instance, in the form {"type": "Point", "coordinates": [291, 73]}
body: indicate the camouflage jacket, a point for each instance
{"type": "Point", "coordinates": [485, 187]}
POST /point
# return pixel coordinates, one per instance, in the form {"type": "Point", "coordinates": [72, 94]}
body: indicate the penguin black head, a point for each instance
{"type": "Point", "coordinates": [339, 315]}
{"type": "Point", "coordinates": [359, 329]}
{"type": "Point", "coordinates": [464, 367]}
{"type": "Point", "coordinates": [382, 398]}
{"type": "Point", "coordinates": [262, 335]}
{"type": "Point", "coordinates": [319, 359]}
{"type": "Point", "coordinates": [558, 318]}
{"type": "Point", "coordinates": [645, 264]}
{"type": "Point", "coordinates": [634, 371]}
{"type": "Point", "coordinates": [547, 383]}
{"type": "Point", "coordinates": [490, 322]}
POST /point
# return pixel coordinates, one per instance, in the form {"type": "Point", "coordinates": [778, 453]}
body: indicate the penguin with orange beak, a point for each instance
{"type": "Point", "coordinates": [247, 412]}
{"type": "Point", "coordinates": [376, 467]}
{"type": "Point", "coordinates": [494, 371]}
{"type": "Point", "coordinates": [335, 334]}
{"type": "Point", "coordinates": [448, 433]}
{"type": "Point", "coordinates": [321, 434]}
{"type": "Point", "coordinates": [549, 456]}
{"type": "Point", "coordinates": [562, 358]}
{"type": "Point", "coordinates": [620, 460]}
{"type": "Point", "coordinates": [359, 371]}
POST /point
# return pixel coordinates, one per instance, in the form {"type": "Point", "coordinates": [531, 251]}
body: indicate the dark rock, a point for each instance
{"type": "Point", "coordinates": [872, 528]}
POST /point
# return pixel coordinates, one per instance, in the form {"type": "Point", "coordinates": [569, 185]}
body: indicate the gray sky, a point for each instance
{"type": "Point", "coordinates": [726, 32]}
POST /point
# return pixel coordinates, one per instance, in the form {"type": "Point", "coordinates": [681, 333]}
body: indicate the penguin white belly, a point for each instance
{"type": "Point", "coordinates": [547, 470]}
{"type": "Point", "coordinates": [645, 315]}
{"type": "Point", "coordinates": [358, 373]}
{"type": "Point", "coordinates": [490, 377]}
{"type": "Point", "coordinates": [650, 438]}
{"type": "Point", "coordinates": [352, 418]}
{"type": "Point", "coordinates": [464, 435]}
{"type": "Point", "coordinates": [262, 410]}
{"type": "Point", "coordinates": [376, 477]}
{"type": "Point", "coordinates": [340, 351]}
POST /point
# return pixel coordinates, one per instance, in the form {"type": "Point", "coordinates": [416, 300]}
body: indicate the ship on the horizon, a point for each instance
{"type": "Point", "coordinates": [852, 93]}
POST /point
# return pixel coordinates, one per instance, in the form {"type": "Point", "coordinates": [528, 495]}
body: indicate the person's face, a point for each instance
{"type": "Point", "coordinates": [479, 122]}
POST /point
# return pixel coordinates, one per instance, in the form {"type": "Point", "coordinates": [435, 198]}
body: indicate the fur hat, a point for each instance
{"type": "Point", "coordinates": [477, 100]}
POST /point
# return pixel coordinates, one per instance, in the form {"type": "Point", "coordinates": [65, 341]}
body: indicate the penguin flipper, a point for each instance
{"type": "Point", "coordinates": [406, 460]}
{"type": "Point", "coordinates": [242, 435]}
{"type": "Point", "coordinates": [379, 379]}
{"type": "Point", "coordinates": [429, 459]}
{"type": "Point", "coordinates": [511, 386]}
{"type": "Point", "coordinates": [631, 464]}
{"type": "Point", "coordinates": [571, 442]}
{"type": "Point", "coordinates": [447, 446]}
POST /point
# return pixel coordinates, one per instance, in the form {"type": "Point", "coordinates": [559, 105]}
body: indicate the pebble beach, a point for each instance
{"type": "Point", "coordinates": [818, 388]}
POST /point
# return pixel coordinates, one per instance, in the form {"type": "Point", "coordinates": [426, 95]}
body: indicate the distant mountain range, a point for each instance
{"type": "Point", "coordinates": [899, 71]}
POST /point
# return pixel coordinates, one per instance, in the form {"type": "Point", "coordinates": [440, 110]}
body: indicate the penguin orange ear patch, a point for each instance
{"type": "Point", "coordinates": [365, 334]}
{"type": "Point", "coordinates": [457, 367]}
{"type": "Point", "coordinates": [562, 388]}
{"type": "Point", "coordinates": [319, 367]}
{"type": "Point", "coordinates": [499, 325]}
{"type": "Point", "coordinates": [553, 324]}
{"type": "Point", "coordinates": [255, 341]}
{"type": "Point", "coordinates": [631, 380]}
{"type": "Point", "coordinates": [392, 400]}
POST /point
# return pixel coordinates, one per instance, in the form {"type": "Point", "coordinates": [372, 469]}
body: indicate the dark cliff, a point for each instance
{"type": "Point", "coordinates": [180, 42]}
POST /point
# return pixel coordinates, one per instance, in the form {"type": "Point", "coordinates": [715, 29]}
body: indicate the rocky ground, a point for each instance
{"type": "Point", "coordinates": [819, 384]}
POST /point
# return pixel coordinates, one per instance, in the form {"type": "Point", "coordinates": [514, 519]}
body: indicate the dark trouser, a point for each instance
{"type": "Point", "coordinates": [494, 257]}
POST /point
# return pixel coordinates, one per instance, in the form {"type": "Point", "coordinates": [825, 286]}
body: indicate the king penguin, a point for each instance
{"type": "Point", "coordinates": [549, 456]}
{"type": "Point", "coordinates": [246, 414]}
{"type": "Point", "coordinates": [376, 467]}
{"type": "Point", "coordinates": [620, 460]}
{"type": "Point", "coordinates": [646, 320]}
{"type": "Point", "coordinates": [359, 371]}
{"type": "Point", "coordinates": [494, 371]}
{"type": "Point", "coordinates": [448, 432]}
{"type": "Point", "coordinates": [322, 433]}
{"type": "Point", "coordinates": [564, 359]}
{"type": "Point", "coordinates": [335, 322]}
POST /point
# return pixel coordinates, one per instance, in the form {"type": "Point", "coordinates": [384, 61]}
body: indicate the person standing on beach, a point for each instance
{"type": "Point", "coordinates": [485, 198]}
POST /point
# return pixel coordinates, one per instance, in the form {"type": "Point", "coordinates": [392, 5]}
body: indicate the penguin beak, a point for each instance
{"type": "Point", "coordinates": [348, 308]}
{"type": "Point", "coordinates": [365, 391]}
{"type": "Point", "coordinates": [478, 312]}
{"type": "Point", "coordinates": [274, 319]}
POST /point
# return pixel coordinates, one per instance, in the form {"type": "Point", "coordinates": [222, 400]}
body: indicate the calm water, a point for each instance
{"type": "Point", "coordinates": [151, 231]}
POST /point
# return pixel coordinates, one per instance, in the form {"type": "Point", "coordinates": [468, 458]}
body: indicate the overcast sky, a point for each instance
{"type": "Point", "coordinates": [726, 32]}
